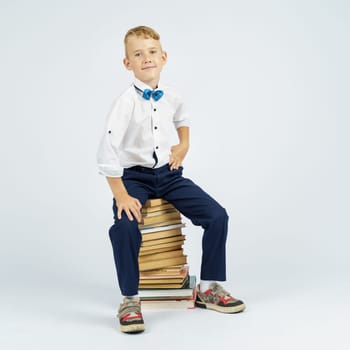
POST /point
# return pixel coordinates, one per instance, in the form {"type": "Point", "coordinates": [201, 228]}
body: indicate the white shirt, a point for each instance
{"type": "Point", "coordinates": [136, 128]}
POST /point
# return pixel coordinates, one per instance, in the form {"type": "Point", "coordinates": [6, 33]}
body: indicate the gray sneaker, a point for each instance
{"type": "Point", "coordinates": [216, 298]}
{"type": "Point", "coordinates": [130, 316]}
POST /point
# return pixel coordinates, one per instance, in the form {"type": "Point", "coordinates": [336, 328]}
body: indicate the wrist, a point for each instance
{"type": "Point", "coordinates": [184, 144]}
{"type": "Point", "coordinates": [118, 195]}
{"type": "Point", "coordinates": [117, 186]}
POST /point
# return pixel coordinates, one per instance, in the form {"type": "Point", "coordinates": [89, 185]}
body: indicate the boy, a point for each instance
{"type": "Point", "coordinates": [139, 162]}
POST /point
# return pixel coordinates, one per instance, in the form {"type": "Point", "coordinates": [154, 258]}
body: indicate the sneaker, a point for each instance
{"type": "Point", "coordinates": [216, 298]}
{"type": "Point", "coordinates": [130, 316]}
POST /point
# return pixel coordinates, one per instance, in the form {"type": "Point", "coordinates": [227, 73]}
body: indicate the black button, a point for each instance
{"type": "Point", "coordinates": [155, 109]}
{"type": "Point", "coordinates": [156, 127]}
{"type": "Point", "coordinates": [109, 131]}
{"type": "Point", "coordinates": [157, 147]}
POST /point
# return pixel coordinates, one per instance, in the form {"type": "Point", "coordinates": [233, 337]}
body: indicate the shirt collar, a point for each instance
{"type": "Point", "coordinates": [141, 85]}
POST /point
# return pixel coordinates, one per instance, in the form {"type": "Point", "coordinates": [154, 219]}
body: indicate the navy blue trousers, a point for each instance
{"type": "Point", "coordinates": [144, 183]}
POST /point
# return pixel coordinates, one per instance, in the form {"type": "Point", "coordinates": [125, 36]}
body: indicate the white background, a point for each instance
{"type": "Point", "coordinates": [266, 83]}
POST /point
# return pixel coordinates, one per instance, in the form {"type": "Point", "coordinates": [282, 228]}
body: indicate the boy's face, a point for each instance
{"type": "Point", "coordinates": [145, 58]}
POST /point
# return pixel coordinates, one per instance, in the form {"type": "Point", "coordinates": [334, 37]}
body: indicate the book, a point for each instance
{"type": "Point", "coordinates": [159, 250]}
{"type": "Point", "coordinates": [174, 277]}
{"type": "Point", "coordinates": [176, 293]}
{"type": "Point", "coordinates": [147, 210]}
{"type": "Point", "coordinates": [166, 272]}
{"type": "Point", "coordinates": [143, 227]}
{"type": "Point", "coordinates": [156, 242]}
{"type": "Point", "coordinates": [156, 264]}
{"type": "Point", "coordinates": [162, 285]}
{"type": "Point", "coordinates": [161, 234]}
{"type": "Point", "coordinates": [159, 212]}
{"type": "Point", "coordinates": [154, 202]}
{"type": "Point", "coordinates": [160, 228]}
{"type": "Point", "coordinates": [159, 256]}
{"type": "Point", "coordinates": [150, 220]}
{"type": "Point", "coordinates": [163, 280]}
{"type": "Point", "coordinates": [168, 304]}
{"type": "Point", "coordinates": [172, 245]}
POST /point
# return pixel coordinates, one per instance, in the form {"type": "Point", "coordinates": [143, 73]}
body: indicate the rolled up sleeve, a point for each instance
{"type": "Point", "coordinates": [117, 122]}
{"type": "Point", "coordinates": [181, 116]}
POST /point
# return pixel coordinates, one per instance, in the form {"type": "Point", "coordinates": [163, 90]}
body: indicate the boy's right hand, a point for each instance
{"type": "Point", "coordinates": [124, 201]}
{"type": "Point", "coordinates": [130, 205]}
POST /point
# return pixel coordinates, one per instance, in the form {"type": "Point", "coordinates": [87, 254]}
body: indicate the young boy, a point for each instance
{"type": "Point", "coordinates": [139, 162]}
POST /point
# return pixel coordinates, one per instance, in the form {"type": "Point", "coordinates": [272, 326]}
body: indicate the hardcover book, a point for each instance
{"type": "Point", "coordinates": [186, 290]}
{"type": "Point", "coordinates": [154, 202]}
{"type": "Point", "coordinates": [156, 264]}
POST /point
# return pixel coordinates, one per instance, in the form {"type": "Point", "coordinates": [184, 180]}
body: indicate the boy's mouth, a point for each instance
{"type": "Point", "coordinates": [149, 67]}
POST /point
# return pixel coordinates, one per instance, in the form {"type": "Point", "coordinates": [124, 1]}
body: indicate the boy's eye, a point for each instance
{"type": "Point", "coordinates": [137, 54]}
{"type": "Point", "coordinates": [153, 51]}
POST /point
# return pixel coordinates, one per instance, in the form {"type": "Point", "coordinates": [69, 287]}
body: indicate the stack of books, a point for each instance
{"type": "Point", "coordinates": [164, 276]}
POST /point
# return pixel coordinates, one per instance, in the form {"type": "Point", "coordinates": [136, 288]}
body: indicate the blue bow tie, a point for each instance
{"type": "Point", "coordinates": [147, 93]}
{"type": "Point", "coordinates": [156, 94]}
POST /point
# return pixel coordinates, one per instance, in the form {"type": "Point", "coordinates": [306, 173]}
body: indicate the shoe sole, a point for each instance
{"type": "Point", "coordinates": [132, 328]}
{"type": "Point", "coordinates": [224, 309]}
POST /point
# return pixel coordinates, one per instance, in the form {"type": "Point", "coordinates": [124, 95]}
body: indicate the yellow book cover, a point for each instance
{"type": "Point", "coordinates": [170, 272]}
{"type": "Point", "coordinates": [154, 202]}
{"type": "Point", "coordinates": [163, 285]}
{"type": "Point", "coordinates": [159, 256]}
{"type": "Point", "coordinates": [162, 280]}
{"type": "Point", "coordinates": [148, 210]}
{"type": "Point", "coordinates": [159, 250]}
{"type": "Point", "coordinates": [161, 241]}
{"type": "Point", "coordinates": [157, 264]}
{"type": "Point", "coordinates": [164, 245]}
{"type": "Point", "coordinates": [159, 213]}
{"type": "Point", "coordinates": [160, 234]}
{"type": "Point", "coordinates": [161, 218]}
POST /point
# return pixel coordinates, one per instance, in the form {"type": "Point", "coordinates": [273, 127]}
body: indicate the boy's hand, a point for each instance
{"type": "Point", "coordinates": [130, 205]}
{"type": "Point", "coordinates": [178, 153]}
{"type": "Point", "coordinates": [124, 201]}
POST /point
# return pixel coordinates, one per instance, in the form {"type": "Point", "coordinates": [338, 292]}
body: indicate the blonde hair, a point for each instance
{"type": "Point", "coordinates": [141, 31]}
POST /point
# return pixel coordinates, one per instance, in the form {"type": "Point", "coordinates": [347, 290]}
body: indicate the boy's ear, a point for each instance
{"type": "Point", "coordinates": [127, 64]}
{"type": "Point", "coordinates": [164, 57]}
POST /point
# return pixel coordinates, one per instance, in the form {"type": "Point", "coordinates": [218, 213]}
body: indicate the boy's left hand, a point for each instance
{"type": "Point", "coordinates": [178, 153]}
